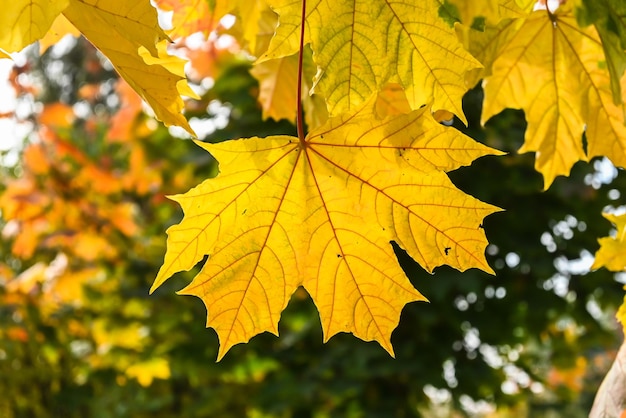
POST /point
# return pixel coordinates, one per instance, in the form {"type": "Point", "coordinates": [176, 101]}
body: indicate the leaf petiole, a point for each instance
{"type": "Point", "coordinates": [299, 123]}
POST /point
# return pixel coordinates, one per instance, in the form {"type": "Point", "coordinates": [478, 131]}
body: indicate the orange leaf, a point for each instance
{"type": "Point", "coordinates": [57, 115]}
{"type": "Point", "coordinates": [35, 159]}
{"type": "Point", "coordinates": [123, 121]}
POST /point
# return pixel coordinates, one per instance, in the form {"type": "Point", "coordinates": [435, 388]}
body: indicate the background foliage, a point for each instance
{"type": "Point", "coordinates": [83, 215]}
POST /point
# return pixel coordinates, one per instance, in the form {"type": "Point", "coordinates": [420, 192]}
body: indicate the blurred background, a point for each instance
{"type": "Point", "coordinates": [85, 172]}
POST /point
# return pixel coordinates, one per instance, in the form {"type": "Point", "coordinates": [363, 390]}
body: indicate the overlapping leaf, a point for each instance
{"type": "Point", "coordinates": [249, 13]}
{"type": "Point", "coordinates": [612, 252]}
{"type": "Point", "coordinates": [129, 35]}
{"type": "Point", "coordinates": [554, 71]}
{"type": "Point", "coordinates": [609, 18]}
{"type": "Point", "coordinates": [321, 214]}
{"type": "Point", "coordinates": [278, 81]}
{"type": "Point", "coordinates": [190, 17]}
{"type": "Point", "coordinates": [361, 46]}
{"type": "Point", "coordinates": [25, 21]}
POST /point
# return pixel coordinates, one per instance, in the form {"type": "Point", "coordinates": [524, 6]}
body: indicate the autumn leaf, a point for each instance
{"type": "Point", "coordinates": [609, 18]}
{"type": "Point", "coordinates": [570, 90]}
{"type": "Point", "coordinates": [123, 122]}
{"type": "Point", "coordinates": [250, 14]}
{"type": "Point", "coordinates": [612, 252]}
{"type": "Point", "coordinates": [57, 115]}
{"type": "Point", "coordinates": [26, 21]}
{"type": "Point", "coordinates": [129, 35]}
{"type": "Point", "coordinates": [321, 214]}
{"type": "Point", "coordinates": [363, 45]}
{"type": "Point", "coordinates": [278, 80]}
{"type": "Point", "coordinates": [278, 89]}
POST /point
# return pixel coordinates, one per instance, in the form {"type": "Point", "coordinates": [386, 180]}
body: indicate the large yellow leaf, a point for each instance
{"type": "Point", "coordinates": [321, 214]}
{"type": "Point", "coordinates": [364, 44]}
{"type": "Point", "coordinates": [554, 71]}
{"type": "Point", "coordinates": [612, 252]}
{"type": "Point", "coordinates": [129, 35]}
{"type": "Point", "coordinates": [26, 21]}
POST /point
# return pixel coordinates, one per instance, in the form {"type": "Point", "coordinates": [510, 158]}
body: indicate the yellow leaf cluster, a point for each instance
{"type": "Point", "coordinates": [26, 21]}
{"type": "Point", "coordinates": [363, 45]}
{"type": "Point", "coordinates": [612, 252]}
{"type": "Point", "coordinates": [128, 33]}
{"type": "Point", "coordinates": [321, 211]}
{"type": "Point", "coordinates": [555, 71]}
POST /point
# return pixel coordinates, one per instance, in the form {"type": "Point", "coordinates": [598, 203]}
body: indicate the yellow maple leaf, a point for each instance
{"type": "Point", "coordinates": [129, 35]}
{"type": "Point", "coordinates": [278, 85]}
{"type": "Point", "coordinates": [361, 46]}
{"type": "Point", "coordinates": [278, 80]}
{"type": "Point", "coordinates": [553, 70]}
{"type": "Point", "coordinates": [612, 252]}
{"type": "Point", "coordinates": [321, 214]}
{"type": "Point", "coordinates": [25, 21]}
{"type": "Point", "coordinates": [251, 15]}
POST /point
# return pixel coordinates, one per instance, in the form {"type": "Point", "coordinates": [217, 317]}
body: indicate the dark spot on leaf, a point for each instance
{"type": "Point", "coordinates": [338, 255]}
{"type": "Point", "coordinates": [244, 211]}
{"type": "Point", "coordinates": [447, 250]}
{"type": "Point", "coordinates": [481, 226]}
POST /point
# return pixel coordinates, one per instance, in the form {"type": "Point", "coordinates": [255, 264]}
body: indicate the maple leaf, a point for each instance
{"type": "Point", "coordinates": [609, 18]}
{"type": "Point", "coordinates": [612, 252]}
{"type": "Point", "coordinates": [361, 46]}
{"type": "Point", "coordinates": [278, 89]}
{"type": "Point", "coordinates": [25, 21]}
{"type": "Point", "coordinates": [129, 35]}
{"type": "Point", "coordinates": [251, 15]}
{"type": "Point", "coordinates": [321, 214]}
{"type": "Point", "coordinates": [278, 80]}
{"type": "Point", "coordinates": [570, 89]}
